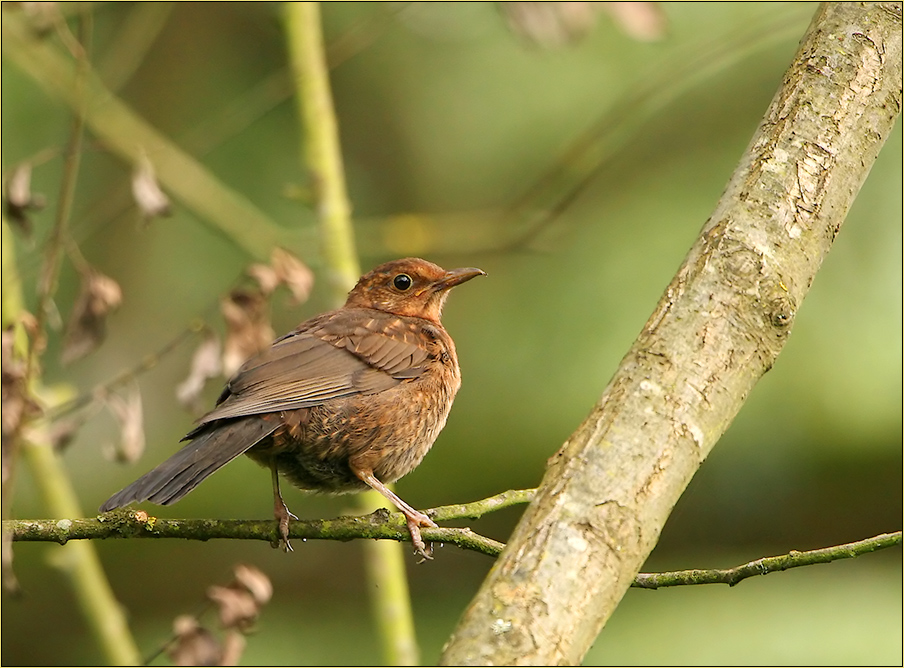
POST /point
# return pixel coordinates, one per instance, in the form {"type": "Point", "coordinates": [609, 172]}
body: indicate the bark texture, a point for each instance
{"type": "Point", "coordinates": [718, 328]}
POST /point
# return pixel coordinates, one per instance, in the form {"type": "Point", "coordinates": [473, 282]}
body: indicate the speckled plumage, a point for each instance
{"type": "Point", "coordinates": [350, 399]}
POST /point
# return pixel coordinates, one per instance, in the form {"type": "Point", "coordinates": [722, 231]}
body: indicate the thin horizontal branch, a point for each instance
{"type": "Point", "coordinates": [766, 565]}
{"type": "Point", "coordinates": [477, 509]}
{"type": "Point", "coordinates": [380, 524]}
{"type": "Point", "coordinates": [138, 524]}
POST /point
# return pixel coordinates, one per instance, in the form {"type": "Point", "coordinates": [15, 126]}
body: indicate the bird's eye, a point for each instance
{"type": "Point", "coordinates": [402, 282]}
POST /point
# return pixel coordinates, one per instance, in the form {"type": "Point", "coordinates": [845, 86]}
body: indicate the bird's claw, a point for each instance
{"type": "Point", "coordinates": [283, 515]}
{"type": "Point", "coordinates": [415, 522]}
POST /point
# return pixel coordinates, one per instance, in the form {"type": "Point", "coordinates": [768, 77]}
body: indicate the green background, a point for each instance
{"type": "Point", "coordinates": [447, 119]}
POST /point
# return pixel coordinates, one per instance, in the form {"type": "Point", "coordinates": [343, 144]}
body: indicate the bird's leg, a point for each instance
{"type": "Point", "coordinates": [414, 518]}
{"type": "Point", "coordinates": [280, 511]}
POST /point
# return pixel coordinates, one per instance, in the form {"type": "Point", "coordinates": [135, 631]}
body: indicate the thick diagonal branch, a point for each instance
{"type": "Point", "coordinates": [719, 327]}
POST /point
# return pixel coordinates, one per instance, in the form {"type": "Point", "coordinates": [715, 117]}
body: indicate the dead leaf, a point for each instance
{"type": "Point", "coordinates": [193, 645]}
{"type": "Point", "coordinates": [17, 404]}
{"type": "Point", "coordinates": [237, 607]}
{"type": "Point", "coordinates": [233, 646]}
{"type": "Point", "coordinates": [205, 364]}
{"type": "Point", "coordinates": [643, 21]}
{"type": "Point", "coordinates": [556, 24]}
{"type": "Point", "coordinates": [150, 198]}
{"type": "Point", "coordinates": [128, 411]}
{"type": "Point", "coordinates": [43, 15]}
{"type": "Point", "coordinates": [265, 275]}
{"type": "Point", "coordinates": [255, 582]}
{"type": "Point", "coordinates": [99, 296]}
{"type": "Point", "coordinates": [551, 24]}
{"type": "Point", "coordinates": [240, 602]}
{"type": "Point", "coordinates": [293, 273]}
{"type": "Point", "coordinates": [284, 269]}
{"type": "Point", "coordinates": [14, 398]}
{"type": "Point", "coordinates": [19, 198]}
{"type": "Point", "coordinates": [61, 432]}
{"type": "Point", "coordinates": [248, 327]}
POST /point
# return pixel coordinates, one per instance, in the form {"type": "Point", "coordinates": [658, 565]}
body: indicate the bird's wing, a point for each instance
{"type": "Point", "coordinates": [362, 352]}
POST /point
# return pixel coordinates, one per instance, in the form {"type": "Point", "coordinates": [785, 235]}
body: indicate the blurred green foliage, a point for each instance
{"type": "Point", "coordinates": [448, 120]}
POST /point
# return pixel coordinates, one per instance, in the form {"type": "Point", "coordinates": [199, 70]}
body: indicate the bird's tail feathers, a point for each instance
{"type": "Point", "coordinates": [210, 449]}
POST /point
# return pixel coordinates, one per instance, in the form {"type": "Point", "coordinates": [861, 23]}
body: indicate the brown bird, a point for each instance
{"type": "Point", "coordinates": [350, 399]}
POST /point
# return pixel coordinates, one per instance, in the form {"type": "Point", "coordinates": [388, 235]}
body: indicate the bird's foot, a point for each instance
{"type": "Point", "coordinates": [415, 521]}
{"type": "Point", "coordinates": [414, 518]}
{"type": "Point", "coordinates": [282, 514]}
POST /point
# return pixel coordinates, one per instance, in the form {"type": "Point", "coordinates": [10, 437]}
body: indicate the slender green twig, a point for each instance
{"type": "Point", "coordinates": [384, 564]}
{"type": "Point", "coordinates": [320, 146]}
{"type": "Point", "coordinates": [53, 250]}
{"type": "Point", "coordinates": [766, 565]}
{"type": "Point", "coordinates": [13, 312]}
{"type": "Point", "coordinates": [323, 156]}
{"type": "Point", "coordinates": [478, 509]}
{"type": "Point", "coordinates": [81, 565]}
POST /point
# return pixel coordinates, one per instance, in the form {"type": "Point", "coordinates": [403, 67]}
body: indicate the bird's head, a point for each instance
{"type": "Point", "coordinates": [409, 287]}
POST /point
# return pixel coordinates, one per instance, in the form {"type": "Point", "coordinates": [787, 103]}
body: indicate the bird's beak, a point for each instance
{"type": "Point", "coordinates": [456, 277]}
